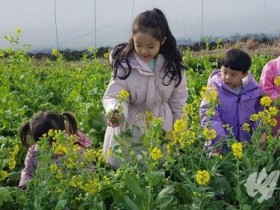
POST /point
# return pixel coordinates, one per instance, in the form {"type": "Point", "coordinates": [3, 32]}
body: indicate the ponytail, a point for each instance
{"type": "Point", "coordinates": [71, 126]}
{"type": "Point", "coordinates": [24, 132]}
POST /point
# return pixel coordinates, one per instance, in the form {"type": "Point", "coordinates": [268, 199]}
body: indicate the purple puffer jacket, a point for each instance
{"type": "Point", "coordinates": [233, 109]}
{"type": "Point", "coordinates": [30, 163]}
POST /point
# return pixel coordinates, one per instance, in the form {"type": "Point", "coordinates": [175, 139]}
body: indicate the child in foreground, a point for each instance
{"type": "Point", "coordinates": [39, 126]}
{"type": "Point", "coordinates": [238, 98]}
{"type": "Point", "coordinates": [149, 67]}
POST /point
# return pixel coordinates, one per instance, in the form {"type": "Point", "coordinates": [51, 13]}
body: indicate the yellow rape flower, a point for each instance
{"type": "Point", "coordinates": [59, 174]}
{"type": "Point", "coordinates": [266, 101]}
{"type": "Point", "coordinates": [123, 95]}
{"type": "Point", "coordinates": [60, 150]}
{"type": "Point", "coordinates": [92, 187]}
{"type": "Point", "coordinates": [106, 55]}
{"type": "Point", "coordinates": [273, 122]}
{"type": "Point", "coordinates": [180, 126]}
{"type": "Point", "coordinates": [254, 117]}
{"type": "Point", "coordinates": [11, 163]}
{"type": "Point", "coordinates": [277, 81]}
{"type": "Point", "coordinates": [246, 127]}
{"type": "Point", "coordinates": [209, 94]}
{"type": "Point", "coordinates": [209, 134]}
{"type": "Point", "coordinates": [107, 180]}
{"type": "Point", "coordinates": [91, 49]}
{"type": "Point", "coordinates": [53, 167]}
{"type": "Point", "coordinates": [18, 30]}
{"type": "Point", "coordinates": [237, 150]}
{"type": "Point", "coordinates": [202, 177]}
{"type": "Point", "coordinates": [3, 175]}
{"type": "Point", "coordinates": [70, 163]}
{"type": "Point", "coordinates": [273, 110]}
{"type": "Point", "coordinates": [169, 148]}
{"type": "Point", "coordinates": [211, 112]}
{"type": "Point", "coordinates": [55, 52]}
{"type": "Point", "coordinates": [156, 154]}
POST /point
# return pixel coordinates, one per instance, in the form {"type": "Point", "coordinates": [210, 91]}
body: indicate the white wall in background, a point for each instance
{"type": "Point", "coordinates": [76, 25]}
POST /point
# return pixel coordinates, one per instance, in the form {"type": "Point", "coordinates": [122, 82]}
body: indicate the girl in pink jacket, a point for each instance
{"type": "Point", "coordinates": [149, 67]}
{"type": "Point", "coordinates": [267, 82]}
{"type": "Point", "coordinates": [40, 124]}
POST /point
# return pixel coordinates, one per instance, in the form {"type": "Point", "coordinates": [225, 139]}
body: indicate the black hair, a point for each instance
{"type": "Point", "coordinates": [42, 122]}
{"type": "Point", "coordinates": [237, 60]}
{"type": "Point", "coordinates": [156, 23]}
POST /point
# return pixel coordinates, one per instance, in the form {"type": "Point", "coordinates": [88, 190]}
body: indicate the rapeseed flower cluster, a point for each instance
{"type": "Point", "coordinates": [59, 149]}
{"type": "Point", "coordinates": [3, 175]}
{"type": "Point", "coordinates": [94, 155]}
{"type": "Point", "coordinates": [122, 95]}
{"type": "Point", "coordinates": [267, 116]}
{"type": "Point", "coordinates": [202, 177]}
{"type": "Point", "coordinates": [156, 153]}
{"type": "Point", "coordinates": [209, 94]}
{"type": "Point", "coordinates": [246, 127]}
{"type": "Point", "coordinates": [18, 31]}
{"type": "Point", "coordinates": [266, 101]}
{"type": "Point", "coordinates": [92, 186]}
{"type": "Point", "coordinates": [55, 52]}
{"type": "Point", "coordinates": [237, 150]}
{"type": "Point", "coordinates": [209, 134]}
{"type": "Point", "coordinates": [181, 135]}
{"type": "Point", "coordinates": [12, 157]}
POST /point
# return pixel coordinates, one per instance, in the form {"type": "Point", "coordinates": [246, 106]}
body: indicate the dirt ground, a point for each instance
{"type": "Point", "coordinates": [252, 46]}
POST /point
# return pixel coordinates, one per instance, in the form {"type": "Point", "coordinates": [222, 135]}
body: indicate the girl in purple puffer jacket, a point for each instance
{"type": "Point", "coordinates": [40, 124]}
{"type": "Point", "coordinates": [239, 97]}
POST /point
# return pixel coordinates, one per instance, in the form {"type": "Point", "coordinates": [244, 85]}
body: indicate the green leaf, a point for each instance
{"type": "Point", "coordinates": [165, 194]}
{"type": "Point", "coordinates": [5, 196]}
{"type": "Point", "coordinates": [246, 207]}
{"type": "Point", "coordinates": [60, 205]}
{"type": "Point", "coordinates": [133, 185]}
{"type": "Point", "coordinates": [130, 203]}
{"type": "Point", "coordinates": [156, 177]}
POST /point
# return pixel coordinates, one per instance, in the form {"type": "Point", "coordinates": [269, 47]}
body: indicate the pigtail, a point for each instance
{"type": "Point", "coordinates": [71, 126]}
{"type": "Point", "coordinates": [24, 132]}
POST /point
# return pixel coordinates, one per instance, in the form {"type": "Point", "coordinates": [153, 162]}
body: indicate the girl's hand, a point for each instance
{"type": "Point", "coordinates": [113, 121]}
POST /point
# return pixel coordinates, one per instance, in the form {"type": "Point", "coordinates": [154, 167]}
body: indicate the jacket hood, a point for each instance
{"type": "Point", "coordinates": [137, 63]}
{"type": "Point", "coordinates": [216, 79]}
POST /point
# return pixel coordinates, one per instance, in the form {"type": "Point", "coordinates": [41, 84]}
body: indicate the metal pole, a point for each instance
{"type": "Point", "coordinates": [55, 22]}
{"type": "Point", "coordinates": [202, 19]}
{"type": "Point", "coordinates": [95, 39]}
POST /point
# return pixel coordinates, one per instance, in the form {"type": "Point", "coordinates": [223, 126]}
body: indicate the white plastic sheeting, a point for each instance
{"type": "Point", "coordinates": [76, 25]}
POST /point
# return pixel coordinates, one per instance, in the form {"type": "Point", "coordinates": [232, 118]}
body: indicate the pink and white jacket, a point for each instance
{"type": "Point", "coordinates": [270, 71]}
{"type": "Point", "coordinates": [146, 93]}
{"type": "Point", "coordinates": [31, 158]}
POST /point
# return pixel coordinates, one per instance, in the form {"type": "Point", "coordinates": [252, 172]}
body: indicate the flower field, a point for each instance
{"type": "Point", "coordinates": [175, 171]}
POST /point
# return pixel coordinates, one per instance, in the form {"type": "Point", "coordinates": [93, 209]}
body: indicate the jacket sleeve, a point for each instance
{"type": "Point", "coordinates": [267, 80]}
{"type": "Point", "coordinates": [30, 165]}
{"type": "Point", "coordinates": [178, 98]}
{"type": "Point", "coordinates": [109, 99]}
{"type": "Point", "coordinates": [83, 140]}
{"type": "Point", "coordinates": [214, 122]}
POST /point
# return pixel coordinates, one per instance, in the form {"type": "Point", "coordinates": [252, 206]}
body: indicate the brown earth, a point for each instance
{"type": "Point", "coordinates": [252, 46]}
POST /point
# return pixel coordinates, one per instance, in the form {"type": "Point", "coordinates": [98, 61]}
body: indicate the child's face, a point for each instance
{"type": "Point", "coordinates": [231, 77]}
{"type": "Point", "coordinates": [146, 46]}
